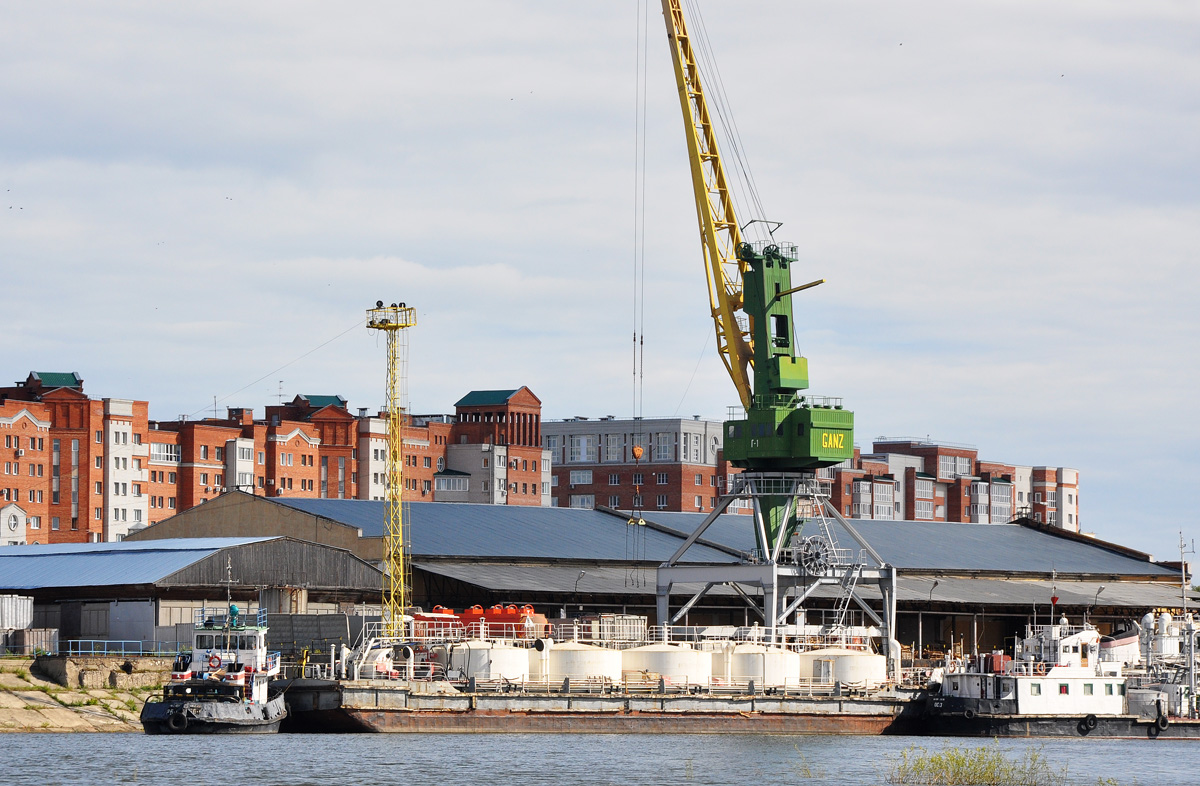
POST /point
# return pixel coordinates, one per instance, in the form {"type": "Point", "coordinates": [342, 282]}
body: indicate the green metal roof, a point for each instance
{"type": "Point", "coordinates": [57, 379]}
{"type": "Point", "coordinates": [485, 398]}
{"type": "Point", "coordinates": [324, 401]}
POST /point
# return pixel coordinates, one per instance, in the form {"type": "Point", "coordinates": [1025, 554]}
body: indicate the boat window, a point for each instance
{"type": "Point", "coordinates": [204, 642]}
{"type": "Point", "coordinates": [1063, 689]}
{"type": "Point", "coordinates": [1035, 689]}
{"type": "Point", "coordinates": [1087, 689]}
{"type": "Point", "coordinates": [1121, 689]}
{"type": "Point", "coordinates": [954, 685]}
{"type": "Point", "coordinates": [1108, 691]}
{"type": "Point", "coordinates": [1075, 648]}
{"type": "Point", "coordinates": [249, 643]}
{"type": "Point", "coordinates": [1066, 649]}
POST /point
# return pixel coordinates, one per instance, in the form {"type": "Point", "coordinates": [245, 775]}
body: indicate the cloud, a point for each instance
{"type": "Point", "coordinates": [1001, 197]}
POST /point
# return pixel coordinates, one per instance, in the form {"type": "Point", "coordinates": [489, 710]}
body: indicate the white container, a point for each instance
{"type": "Point", "coordinates": [571, 660]}
{"type": "Point", "coordinates": [767, 666]}
{"type": "Point", "coordinates": [16, 612]}
{"type": "Point", "coordinates": [677, 665]}
{"type": "Point", "coordinates": [818, 665]}
{"type": "Point", "coordinates": [860, 668]}
{"type": "Point", "coordinates": [488, 660]}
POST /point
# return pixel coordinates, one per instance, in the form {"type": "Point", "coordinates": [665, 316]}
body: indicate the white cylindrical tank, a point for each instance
{"type": "Point", "coordinates": [860, 667]}
{"type": "Point", "coordinates": [765, 665]}
{"type": "Point", "coordinates": [677, 665]}
{"type": "Point", "coordinates": [1164, 623]}
{"type": "Point", "coordinates": [811, 670]}
{"type": "Point", "coordinates": [575, 661]}
{"type": "Point", "coordinates": [488, 660]}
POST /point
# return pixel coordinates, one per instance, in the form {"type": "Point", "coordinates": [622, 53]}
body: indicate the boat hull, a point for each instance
{"type": "Point", "coordinates": [1102, 726]}
{"type": "Point", "coordinates": [213, 717]}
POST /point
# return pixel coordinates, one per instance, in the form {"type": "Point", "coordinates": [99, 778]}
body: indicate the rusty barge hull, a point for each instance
{"type": "Point", "coordinates": [382, 707]}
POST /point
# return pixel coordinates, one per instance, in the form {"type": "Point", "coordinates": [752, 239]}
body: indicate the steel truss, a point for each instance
{"type": "Point", "coordinates": [788, 570]}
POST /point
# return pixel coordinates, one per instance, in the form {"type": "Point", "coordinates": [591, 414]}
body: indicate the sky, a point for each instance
{"type": "Point", "coordinates": [202, 199]}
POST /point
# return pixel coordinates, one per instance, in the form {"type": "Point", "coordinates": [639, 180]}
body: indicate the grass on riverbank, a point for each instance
{"type": "Point", "coordinates": [982, 766]}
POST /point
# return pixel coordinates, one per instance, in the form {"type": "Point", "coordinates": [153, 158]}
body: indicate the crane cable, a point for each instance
{"type": "Point", "coordinates": [749, 204]}
{"type": "Point", "coordinates": [635, 536]}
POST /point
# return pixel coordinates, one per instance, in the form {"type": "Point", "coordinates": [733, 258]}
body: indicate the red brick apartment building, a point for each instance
{"type": "Point", "coordinates": [79, 469]}
{"type": "Point", "coordinates": [923, 480]}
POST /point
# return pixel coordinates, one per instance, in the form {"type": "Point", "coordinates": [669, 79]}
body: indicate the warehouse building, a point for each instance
{"type": "Point", "coordinates": [957, 582]}
{"type": "Point", "coordinates": [139, 592]}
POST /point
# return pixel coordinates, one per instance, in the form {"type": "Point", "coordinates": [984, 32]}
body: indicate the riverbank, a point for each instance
{"type": "Point", "coordinates": [29, 702]}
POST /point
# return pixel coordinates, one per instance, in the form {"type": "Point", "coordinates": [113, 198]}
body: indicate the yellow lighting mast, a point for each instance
{"type": "Point", "coordinates": [393, 320]}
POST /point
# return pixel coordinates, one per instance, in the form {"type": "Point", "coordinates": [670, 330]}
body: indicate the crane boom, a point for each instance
{"type": "Point", "coordinates": [750, 291]}
{"type": "Point", "coordinates": [719, 231]}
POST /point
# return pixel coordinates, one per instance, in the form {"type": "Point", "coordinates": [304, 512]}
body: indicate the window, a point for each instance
{"type": "Point", "coordinates": [219, 454]}
{"type": "Point", "coordinates": [441, 464]}
{"type": "Point", "coordinates": [613, 447]}
{"type": "Point", "coordinates": [203, 478]}
{"type": "Point", "coordinates": [245, 454]}
{"type": "Point", "coordinates": [699, 479]}
{"type": "Point", "coordinates": [614, 479]}
{"type": "Point", "coordinates": [162, 452]}
{"type": "Point", "coordinates": [137, 516]}
{"type": "Point", "coordinates": [99, 514]}
{"type": "Point", "coordinates": [35, 522]}
{"type": "Point", "coordinates": [580, 477]}
{"type": "Point", "coordinates": [100, 437]}
{"type": "Point", "coordinates": [946, 466]}
{"type": "Point", "coordinates": [204, 451]}
{"type": "Point", "coordinates": [661, 502]}
{"type": "Point", "coordinates": [262, 457]}
{"type": "Point", "coordinates": [1035, 689]}
{"type": "Point", "coordinates": [582, 447]}
{"type": "Point", "coordinates": [583, 501]}
{"type": "Point", "coordinates": [964, 465]}
{"type": "Point", "coordinates": [1108, 689]}
{"type": "Point", "coordinates": [428, 462]}
{"type": "Point", "coordinates": [451, 484]}
{"type": "Point", "coordinates": [1070, 499]}
{"type": "Point", "coordinates": [1064, 689]}
{"type": "Point", "coordinates": [660, 478]}
{"type": "Point", "coordinates": [712, 480]}
{"type": "Point", "coordinates": [425, 486]}
{"type": "Point", "coordinates": [1087, 689]}
{"type": "Point", "coordinates": [99, 487]}
{"type": "Point", "coordinates": [699, 502]}
{"type": "Point", "coordinates": [614, 501]}
{"type": "Point", "coordinates": [55, 524]}
{"type": "Point", "coordinates": [638, 479]}
{"type": "Point", "coordinates": [663, 447]}
{"type": "Point", "coordinates": [923, 509]}
{"type": "Point", "coordinates": [170, 477]}
{"type": "Point", "coordinates": [923, 489]}
{"type": "Point", "coordinates": [545, 488]}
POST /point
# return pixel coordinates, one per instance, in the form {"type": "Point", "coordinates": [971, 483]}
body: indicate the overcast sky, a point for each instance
{"type": "Point", "coordinates": [1002, 197]}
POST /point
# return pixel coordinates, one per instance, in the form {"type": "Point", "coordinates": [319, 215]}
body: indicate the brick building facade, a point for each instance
{"type": "Point", "coordinates": [80, 469]}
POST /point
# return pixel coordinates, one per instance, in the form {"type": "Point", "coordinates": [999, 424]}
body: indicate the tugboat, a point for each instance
{"type": "Point", "coordinates": [222, 687]}
{"type": "Point", "coordinates": [1056, 685]}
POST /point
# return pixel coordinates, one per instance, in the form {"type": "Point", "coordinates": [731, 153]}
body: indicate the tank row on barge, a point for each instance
{"type": "Point", "coordinates": [612, 673]}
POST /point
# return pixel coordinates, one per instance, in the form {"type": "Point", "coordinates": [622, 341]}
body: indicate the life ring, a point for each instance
{"type": "Point", "coordinates": [214, 661]}
{"type": "Point", "coordinates": [969, 714]}
{"type": "Point", "coordinates": [176, 722]}
{"type": "Point", "coordinates": [1090, 722]}
{"type": "Point", "coordinates": [1162, 723]}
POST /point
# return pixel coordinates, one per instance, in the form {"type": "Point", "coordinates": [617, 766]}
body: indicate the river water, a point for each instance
{"type": "Point", "coordinates": [523, 759]}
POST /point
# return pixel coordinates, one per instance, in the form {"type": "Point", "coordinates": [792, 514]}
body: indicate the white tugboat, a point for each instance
{"type": "Point", "coordinates": [222, 688]}
{"type": "Point", "coordinates": [1056, 685]}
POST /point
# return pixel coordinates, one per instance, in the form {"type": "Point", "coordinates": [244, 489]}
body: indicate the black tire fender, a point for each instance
{"type": "Point", "coordinates": [177, 722]}
{"type": "Point", "coordinates": [1162, 723]}
{"type": "Point", "coordinates": [1090, 722]}
{"type": "Point", "coordinates": [969, 714]}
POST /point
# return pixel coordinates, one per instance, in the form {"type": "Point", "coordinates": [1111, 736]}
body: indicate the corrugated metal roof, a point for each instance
{"type": "Point", "coordinates": [57, 379]}
{"type": "Point", "coordinates": [942, 545]}
{"type": "Point", "coordinates": [606, 580]}
{"type": "Point", "coordinates": [323, 400]}
{"type": "Point", "coordinates": [485, 398]}
{"type": "Point", "coordinates": [451, 529]}
{"type": "Point", "coordinates": [104, 564]}
{"type": "Point", "coordinates": [454, 529]}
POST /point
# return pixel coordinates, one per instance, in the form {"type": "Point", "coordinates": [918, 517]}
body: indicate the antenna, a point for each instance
{"type": "Point", "coordinates": [279, 395]}
{"type": "Point", "coordinates": [1183, 577]}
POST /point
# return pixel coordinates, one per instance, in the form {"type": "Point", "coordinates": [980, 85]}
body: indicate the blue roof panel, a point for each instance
{"type": "Point", "coordinates": [474, 530]}
{"type": "Point", "coordinates": [104, 564]}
